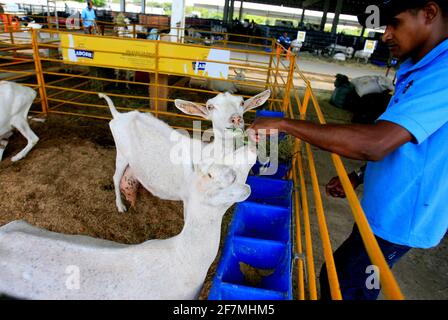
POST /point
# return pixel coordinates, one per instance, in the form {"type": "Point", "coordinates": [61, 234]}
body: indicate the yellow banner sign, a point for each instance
{"type": "Point", "coordinates": [141, 55]}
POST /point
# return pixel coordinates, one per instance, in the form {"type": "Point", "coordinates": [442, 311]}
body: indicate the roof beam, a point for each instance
{"type": "Point", "coordinates": [308, 3]}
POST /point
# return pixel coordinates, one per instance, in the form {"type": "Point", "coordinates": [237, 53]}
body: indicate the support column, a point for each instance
{"type": "Point", "coordinates": [303, 17]}
{"type": "Point", "coordinates": [123, 5]}
{"type": "Point", "coordinates": [339, 4]}
{"type": "Point", "coordinates": [324, 17]}
{"type": "Point", "coordinates": [363, 31]}
{"type": "Point", "coordinates": [160, 92]}
{"type": "Point", "coordinates": [226, 11]}
{"type": "Point", "coordinates": [231, 10]}
{"type": "Point", "coordinates": [143, 6]}
{"type": "Point", "coordinates": [177, 20]}
{"type": "Point", "coordinates": [241, 10]}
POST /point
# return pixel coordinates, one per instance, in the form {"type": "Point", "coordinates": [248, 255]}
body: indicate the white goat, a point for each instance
{"type": "Point", "coordinates": [225, 86]}
{"type": "Point", "coordinates": [226, 113]}
{"type": "Point", "coordinates": [39, 264]}
{"type": "Point", "coordinates": [222, 85]}
{"type": "Point", "coordinates": [34, 25]}
{"type": "Point", "coordinates": [193, 36]}
{"type": "Point", "coordinates": [15, 103]}
{"type": "Point", "coordinates": [127, 75]}
{"type": "Point", "coordinates": [362, 55]}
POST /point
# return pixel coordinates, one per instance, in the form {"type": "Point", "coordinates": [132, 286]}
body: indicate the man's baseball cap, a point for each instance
{"type": "Point", "coordinates": [390, 9]}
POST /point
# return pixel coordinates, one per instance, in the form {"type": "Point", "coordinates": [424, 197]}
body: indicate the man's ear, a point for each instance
{"type": "Point", "coordinates": [192, 108]}
{"type": "Point", "coordinates": [257, 101]}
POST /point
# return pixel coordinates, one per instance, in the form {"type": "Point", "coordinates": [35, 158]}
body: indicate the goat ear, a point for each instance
{"type": "Point", "coordinates": [229, 195]}
{"type": "Point", "coordinates": [257, 101]}
{"type": "Point", "coordinates": [192, 108]}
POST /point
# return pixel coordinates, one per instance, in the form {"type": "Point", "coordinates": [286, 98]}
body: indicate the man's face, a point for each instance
{"type": "Point", "coordinates": [406, 34]}
{"type": "Point", "coordinates": [90, 5]}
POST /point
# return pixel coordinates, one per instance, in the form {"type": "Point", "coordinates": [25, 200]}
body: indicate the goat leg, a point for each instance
{"type": "Point", "coordinates": [23, 127]}
{"type": "Point", "coordinates": [120, 166]}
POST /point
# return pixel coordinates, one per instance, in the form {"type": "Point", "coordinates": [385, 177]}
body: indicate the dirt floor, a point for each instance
{"type": "Point", "coordinates": [65, 185]}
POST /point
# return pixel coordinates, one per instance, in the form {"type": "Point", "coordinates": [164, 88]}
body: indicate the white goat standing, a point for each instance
{"type": "Point", "coordinates": [226, 113]}
{"type": "Point", "coordinates": [39, 264]}
{"type": "Point", "coordinates": [15, 103]}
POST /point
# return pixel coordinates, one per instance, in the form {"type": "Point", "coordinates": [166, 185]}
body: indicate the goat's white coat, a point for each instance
{"type": "Point", "coordinates": [166, 181]}
{"type": "Point", "coordinates": [39, 264]}
{"type": "Point", "coordinates": [15, 103]}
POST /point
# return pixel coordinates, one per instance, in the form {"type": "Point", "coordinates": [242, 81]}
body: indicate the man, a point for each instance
{"type": "Point", "coordinates": [284, 40]}
{"type": "Point", "coordinates": [406, 179]}
{"type": "Point", "coordinates": [88, 18]}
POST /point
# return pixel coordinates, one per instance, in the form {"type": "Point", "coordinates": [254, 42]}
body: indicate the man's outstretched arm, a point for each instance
{"type": "Point", "coordinates": [354, 141]}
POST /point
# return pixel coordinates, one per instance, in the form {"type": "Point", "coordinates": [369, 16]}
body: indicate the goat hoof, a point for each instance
{"type": "Point", "coordinates": [16, 158]}
{"type": "Point", "coordinates": [121, 208]}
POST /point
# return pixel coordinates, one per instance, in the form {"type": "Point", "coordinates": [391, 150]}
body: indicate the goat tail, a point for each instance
{"type": "Point", "coordinates": [112, 108]}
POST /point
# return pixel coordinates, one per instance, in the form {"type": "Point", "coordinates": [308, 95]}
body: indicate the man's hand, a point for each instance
{"type": "Point", "coordinates": [266, 124]}
{"type": "Point", "coordinates": [334, 187]}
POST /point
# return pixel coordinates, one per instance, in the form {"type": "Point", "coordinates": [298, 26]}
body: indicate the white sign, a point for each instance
{"type": "Point", "coordinates": [370, 46]}
{"type": "Point", "coordinates": [213, 69]}
{"type": "Point", "coordinates": [301, 36]}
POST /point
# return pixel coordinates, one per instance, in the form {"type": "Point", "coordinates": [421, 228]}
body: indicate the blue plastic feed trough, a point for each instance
{"type": "Point", "coordinates": [282, 170]}
{"type": "Point", "coordinates": [270, 191]}
{"type": "Point", "coordinates": [259, 221]}
{"type": "Point", "coordinates": [269, 114]}
{"type": "Point", "coordinates": [253, 269]}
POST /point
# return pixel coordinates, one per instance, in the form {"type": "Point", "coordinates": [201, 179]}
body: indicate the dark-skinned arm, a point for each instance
{"type": "Point", "coordinates": [353, 141]}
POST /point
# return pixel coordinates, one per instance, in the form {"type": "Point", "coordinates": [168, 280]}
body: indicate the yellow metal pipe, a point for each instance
{"type": "Point", "coordinates": [17, 77]}
{"type": "Point", "coordinates": [307, 228]}
{"type": "Point", "coordinates": [14, 63]}
{"type": "Point", "coordinates": [164, 113]}
{"type": "Point", "coordinates": [287, 91]}
{"type": "Point", "coordinates": [298, 233]}
{"type": "Point", "coordinates": [388, 283]}
{"type": "Point", "coordinates": [40, 76]}
{"type": "Point", "coordinates": [326, 244]}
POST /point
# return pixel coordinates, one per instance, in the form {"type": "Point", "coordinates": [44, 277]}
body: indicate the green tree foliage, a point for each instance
{"type": "Point", "coordinates": [96, 3]}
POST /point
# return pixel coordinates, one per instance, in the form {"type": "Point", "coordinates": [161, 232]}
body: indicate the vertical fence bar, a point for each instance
{"type": "Point", "coordinates": [326, 244]}
{"type": "Point", "coordinates": [307, 227]}
{"type": "Point", "coordinates": [289, 83]}
{"type": "Point", "coordinates": [271, 57]}
{"type": "Point", "coordinates": [298, 231]}
{"type": "Point", "coordinates": [39, 72]}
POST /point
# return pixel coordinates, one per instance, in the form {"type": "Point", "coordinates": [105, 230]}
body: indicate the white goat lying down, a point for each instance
{"type": "Point", "coordinates": [15, 103]}
{"type": "Point", "coordinates": [225, 111]}
{"type": "Point", "coordinates": [40, 264]}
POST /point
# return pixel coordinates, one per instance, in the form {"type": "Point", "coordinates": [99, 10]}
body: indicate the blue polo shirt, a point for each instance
{"type": "Point", "coordinates": [406, 193]}
{"type": "Point", "coordinates": [88, 17]}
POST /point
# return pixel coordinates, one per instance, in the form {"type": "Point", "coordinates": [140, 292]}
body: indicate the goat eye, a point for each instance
{"type": "Point", "coordinates": [210, 176]}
